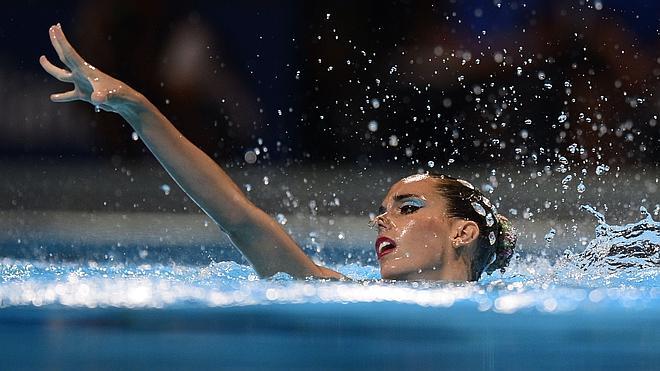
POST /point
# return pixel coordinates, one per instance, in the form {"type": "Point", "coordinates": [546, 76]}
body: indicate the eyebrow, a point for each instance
{"type": "Point", "coordinates": [382, 209]}
{"type": "Point", "coordinates": [404, 196]}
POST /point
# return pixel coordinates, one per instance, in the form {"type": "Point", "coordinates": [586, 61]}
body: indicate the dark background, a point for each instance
{"type": "Point", "coordinates": [299, 78]}
{"type": "Point", "coordinates": [339, 99]}
{"type": "Point", "coordinates": [544, 105]}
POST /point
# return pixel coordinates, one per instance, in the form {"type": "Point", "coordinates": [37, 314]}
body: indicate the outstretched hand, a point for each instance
{"type": "Point", "coordinates": [89, 84]}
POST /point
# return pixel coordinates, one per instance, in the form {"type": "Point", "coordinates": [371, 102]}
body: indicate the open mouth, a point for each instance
{"type": "Point", "coordinates": [384, 246]}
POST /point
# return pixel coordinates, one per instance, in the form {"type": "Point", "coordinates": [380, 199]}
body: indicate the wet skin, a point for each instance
{"type": "Point", "coordinates": [430, 245]}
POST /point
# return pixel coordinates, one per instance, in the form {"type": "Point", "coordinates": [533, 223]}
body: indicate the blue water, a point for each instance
{"type": "Point", "coordinates": [597, 309]}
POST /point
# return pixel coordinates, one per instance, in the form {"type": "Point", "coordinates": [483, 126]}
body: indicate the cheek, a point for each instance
{"type": "Point", "coordinates": [408, 227]}
{"type": "Point", "coordinates": [434, 230]}
{"type": "Point", "coordinates": [429, 229]}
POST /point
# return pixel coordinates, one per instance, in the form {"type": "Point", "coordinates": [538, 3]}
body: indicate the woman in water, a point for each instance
{"type": "Point", "coordinates": [429, 227]}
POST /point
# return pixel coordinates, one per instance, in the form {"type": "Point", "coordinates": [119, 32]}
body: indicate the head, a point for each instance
{"type": "Point", "coordinates": [434, 227]}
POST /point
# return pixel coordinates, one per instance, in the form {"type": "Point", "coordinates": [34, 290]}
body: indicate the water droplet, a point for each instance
{"type": "Point", "coordinates": [602, 169]}
{"type": "Point", "coordinates": [250, 157]}
{"type": "Point", "coordinates": [266, 180]}
{"type": "Point", "coordinates": [97, 109]}
{"type": "Point", "coordinates": [281, 219]}
{"type": "Point", "coordinates": [375, 103]}
{"type": "Point", "coordinates": [491, 238]}
{"type": "Point", "coordinates": [393, 141]}
{"type": "Point", "coordinates": [431, 163]}
{"type": "Point", "coordinates": [581, 187]}
{"type": "Point", "coordinates": [562, 118]}
{"type": "Point", "coordinates": [166, 189]}
{"type": "Point", "coordinates": [134, 136]}
{"type": "Point", "coordinates": [528, 122]}
{"type": "Point", "coordinates": [312, 206]}
{"type": "Point", "coordinates": [373, 125]}
{"type": "Point", "coordinates": [550, 235]}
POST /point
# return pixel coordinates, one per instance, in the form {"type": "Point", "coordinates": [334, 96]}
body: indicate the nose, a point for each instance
{"type": "Point", "coordinates": [382, 222]}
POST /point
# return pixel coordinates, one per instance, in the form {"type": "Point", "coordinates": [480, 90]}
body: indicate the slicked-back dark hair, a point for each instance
{"type": "Point", "coordinates": [461, 197]}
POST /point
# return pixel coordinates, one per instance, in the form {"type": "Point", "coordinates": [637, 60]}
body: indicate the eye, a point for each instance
{"type": "Point", "coordinates": [410, 207]}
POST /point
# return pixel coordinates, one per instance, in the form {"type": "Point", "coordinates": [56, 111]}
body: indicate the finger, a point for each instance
{"type": "Point", "coordinates": [65, 51]}
{"type": "Point", "coordinates": [58, 73]}
{"type": "Point", "coordinates": [56, 44]}
{"type": "Point", "coordinates": [65, 97]}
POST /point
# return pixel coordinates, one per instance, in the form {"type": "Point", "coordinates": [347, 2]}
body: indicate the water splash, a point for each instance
{"type": "Point", "coordinates": [618, 254]}
{"type": "Point", "coordinates": [620, 266]}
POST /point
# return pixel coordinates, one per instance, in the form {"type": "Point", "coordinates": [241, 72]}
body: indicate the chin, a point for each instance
{"type": "Point", "coordinates": [387, 274]}
{"type": "Point", "coordinates": [396, 274]}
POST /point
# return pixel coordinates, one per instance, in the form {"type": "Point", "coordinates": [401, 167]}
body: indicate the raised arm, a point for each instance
{"type": "Point", "coordinates": [260, 238]}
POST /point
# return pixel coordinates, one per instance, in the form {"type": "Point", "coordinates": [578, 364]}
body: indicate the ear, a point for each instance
{"type": "Point", "coordinates": [465, 232]}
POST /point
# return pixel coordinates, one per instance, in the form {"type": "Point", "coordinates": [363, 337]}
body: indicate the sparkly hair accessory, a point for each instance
{"type": "Point", "coordinates": [465, 183]}
{"type": "Point", "coordinates": [504, 249]}
{"type": "Point", "coordinates": [501, 234]}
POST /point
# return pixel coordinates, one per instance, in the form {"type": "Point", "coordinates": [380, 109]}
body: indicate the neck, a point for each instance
{"type": "Point", "coordinates": [455, 268]}
{"type": "Point", "coordinates": [454, 271]}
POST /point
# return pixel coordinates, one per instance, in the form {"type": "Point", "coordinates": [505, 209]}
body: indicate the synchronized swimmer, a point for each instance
{"type": "Point", "coordinates": [430, 227]}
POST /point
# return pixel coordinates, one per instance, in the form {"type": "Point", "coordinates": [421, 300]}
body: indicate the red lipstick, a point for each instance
{"type": "Point", "coordinates": [384, 246]}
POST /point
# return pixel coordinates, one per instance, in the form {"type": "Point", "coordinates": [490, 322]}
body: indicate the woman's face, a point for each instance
{"type": "Point", "coordinates": [415, 234]}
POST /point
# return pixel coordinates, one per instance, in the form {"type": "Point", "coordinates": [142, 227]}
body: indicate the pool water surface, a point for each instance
{"type": "Point", "coordinates": [596, 309]}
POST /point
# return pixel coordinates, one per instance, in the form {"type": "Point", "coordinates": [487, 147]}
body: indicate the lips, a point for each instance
{"type": "Point", "coordinates": [384, 246]}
